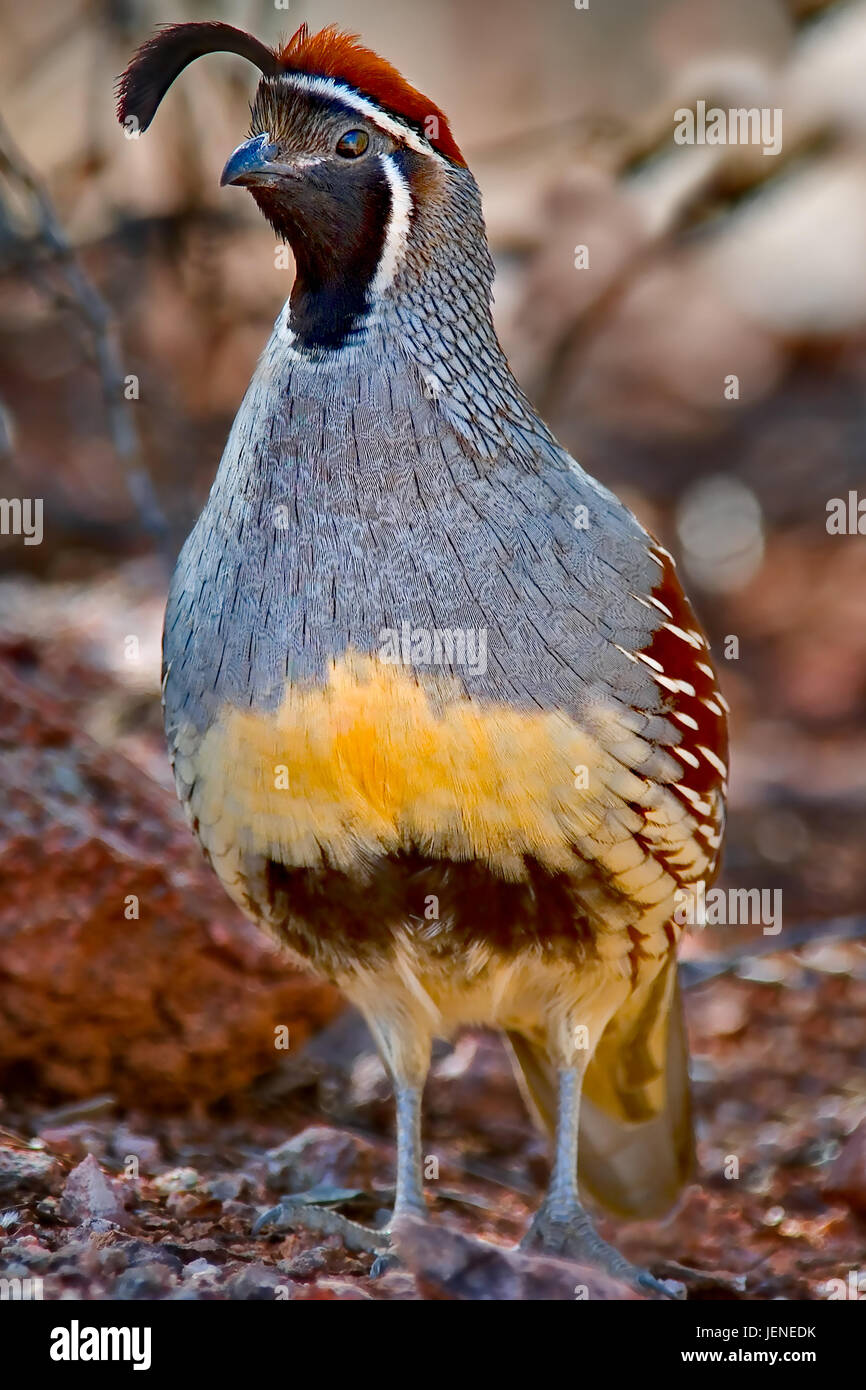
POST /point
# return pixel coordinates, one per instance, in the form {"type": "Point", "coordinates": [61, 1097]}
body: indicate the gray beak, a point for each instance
{"type": "Point", "coordinates": [251, 163]}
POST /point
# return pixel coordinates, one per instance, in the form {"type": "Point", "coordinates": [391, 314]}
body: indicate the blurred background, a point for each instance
{"type": "Point", "coordinates": [704, 355]}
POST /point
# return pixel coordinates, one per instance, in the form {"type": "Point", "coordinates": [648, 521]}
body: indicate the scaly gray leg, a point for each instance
{"type": "Point", "coordinates": [561, 1226]}
{"type": "Point", "coordinates": [408, 1199]}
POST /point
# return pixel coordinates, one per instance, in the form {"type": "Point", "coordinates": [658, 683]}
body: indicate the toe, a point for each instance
{"type": "Point", "coordinates": [383, 1264]}
{"type": "Point", "coordinates": [661, 1288]}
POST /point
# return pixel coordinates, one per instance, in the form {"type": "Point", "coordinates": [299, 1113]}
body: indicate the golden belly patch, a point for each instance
{"type": "Point", "coordinates": [376, 761]}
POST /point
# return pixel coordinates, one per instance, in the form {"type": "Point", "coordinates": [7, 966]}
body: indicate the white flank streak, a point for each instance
{"type": "Point", "coordinates": [702, 807]}
{"type": "Point", "coordinates": [686, 636]}
{"type": "Point", "coordinates": [713, 759]}
{"type": "Point", "coordinates": [661, 606]}
{"type": "Point", "coordinates": [398, 228]}
{"type": "Point", "coordinates": [338, 91]}
{"type": "Point", "coordinates": [684, 687]}
{"type": "Point", "coordinates": [649, 661]}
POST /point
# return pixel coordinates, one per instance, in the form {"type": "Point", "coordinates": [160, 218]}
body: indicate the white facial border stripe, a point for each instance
{"type": "Point", "coordinates": [333, 90]}
{"type": "Point", "coordinates": [397, 231]}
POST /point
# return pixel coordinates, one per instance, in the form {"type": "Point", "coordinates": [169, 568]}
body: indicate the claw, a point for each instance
{"type": "Point", "coordinates": [384, 1262]}
{"type": "Point", "coordinates": [666, 1288]}
{"type": "Point", "coordinates": [265, 1219]}
{"type": "Point", "coordinates": [574, 1237]}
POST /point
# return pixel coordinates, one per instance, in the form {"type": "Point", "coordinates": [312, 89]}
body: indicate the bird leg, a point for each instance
{"type": "Point", "coordinates": [561, 1226]}
{"type": "Point", "coordinates": [409, 1196]}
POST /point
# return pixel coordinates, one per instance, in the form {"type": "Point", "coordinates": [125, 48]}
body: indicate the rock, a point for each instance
{"type": "Point", "coordinates": [182, 1205]}
{"type": "Point", "coordinates": [177, 1180]}
{"type": "Point", "coordinates": [242, 1212]}
{"type": "Point", "coordinates": [256, 1282]}
{"type": "Point", "coordinates": [342, 1289]}
{"type": "Point", "coordinates": [75, 1141]}
{"type": "Point", "coordinates": [398, 1285]}
{"type": "Point", "coordinates": [25, 1171]}
{"type": "Point", "coordinates": [144, 1281]}
{"type": "Point", "coordinates": [306, 1264]}
{"type": "Point", "coordinates": [125, 967]}
{"type": "Point", "coordinates": [210, 1249]}
{"type": "Point", "coordinates": [319, 1156]}
{"type": "Point", "coordinates": [202, 1278]}
{"type": "Point", "coordinates": [370, 1085]}
{"type": "Point", "coordinates": [228, 1187]}
{"type": "Point", "coordinates": [28, 1251]}
{"type": "Point", "coordinates": [138, 1252]}
{"type": "Point", "coordinates": [127, 1144]}
{"type": "Point", "coordinates": [847, 1177]}
{"type": "Point", "coordinates": [89, 1195]}
{"type": "Point", "coordinates": [447, 1265]}
{"type": "Point", "coordinates": [473, 1087]}
{"type": "Point", "coordinates": [200, 1266]}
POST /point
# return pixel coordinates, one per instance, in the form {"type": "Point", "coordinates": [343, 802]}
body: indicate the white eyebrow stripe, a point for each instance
{"type": "Point", "coordinates": [397, 231]}
{"type": "Point", "coordinates": [338, 91]}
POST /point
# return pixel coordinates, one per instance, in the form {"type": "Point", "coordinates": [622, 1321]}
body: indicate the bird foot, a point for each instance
{"type": "Point", "coordinates": [292, 1215]}
{"type": "Point", "coordinates": [385, 1261]}
{"type": "Point", "coordinates": [575, 1238]}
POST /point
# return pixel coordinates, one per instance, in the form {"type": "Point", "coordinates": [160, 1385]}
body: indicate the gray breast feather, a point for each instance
{"type": "Point", "coordinates": [349, 508]}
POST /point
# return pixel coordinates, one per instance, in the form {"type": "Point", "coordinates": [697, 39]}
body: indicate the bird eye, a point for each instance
{"type": "Point", "coordinates": [353, 143]}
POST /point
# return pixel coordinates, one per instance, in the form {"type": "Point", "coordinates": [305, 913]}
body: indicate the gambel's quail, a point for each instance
{"type": "Point", "coordinates": [439, 712]}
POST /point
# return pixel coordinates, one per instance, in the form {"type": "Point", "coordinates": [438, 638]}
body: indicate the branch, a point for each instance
{"type": "Point", "coordinates": [699, 972]}
{"type": "Point", "coordinates": [91, 308]}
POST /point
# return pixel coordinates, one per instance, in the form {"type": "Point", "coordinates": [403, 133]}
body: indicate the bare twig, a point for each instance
{"type": "Point", "coordinates": [91, 308]}
{"type": "Point", "coordinates": [699, 972]}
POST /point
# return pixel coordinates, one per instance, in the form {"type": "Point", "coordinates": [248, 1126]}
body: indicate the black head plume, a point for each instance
{"type": "Point", "coordinates": [159, 61]}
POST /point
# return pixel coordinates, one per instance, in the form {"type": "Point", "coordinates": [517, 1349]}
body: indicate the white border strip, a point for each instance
{"type": "Point", "coordinates": [332, 89]}
{"type": "Point", "coordinates": [399, 222]}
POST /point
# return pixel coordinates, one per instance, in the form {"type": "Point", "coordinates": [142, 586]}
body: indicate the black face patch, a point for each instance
{"type": "Point", "coordinates": [335, 216]}
{"type": "Point", "coordinates": [336, 219]}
